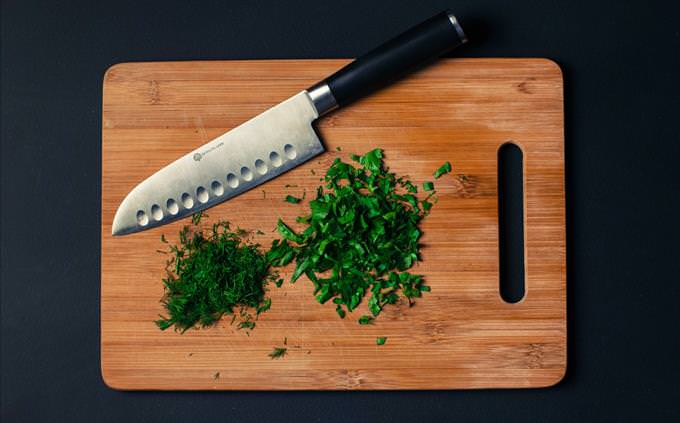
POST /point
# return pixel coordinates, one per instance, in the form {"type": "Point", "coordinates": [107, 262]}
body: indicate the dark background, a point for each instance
{"type": "Point", "coordinates": [621, 63]}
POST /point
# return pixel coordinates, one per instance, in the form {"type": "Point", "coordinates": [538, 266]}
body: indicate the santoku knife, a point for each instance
{"type": "Point", "coordinates": [280, 138]}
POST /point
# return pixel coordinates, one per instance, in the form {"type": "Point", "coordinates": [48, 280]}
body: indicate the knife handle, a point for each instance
{"type": "Point", "coordinates": [388, 62]}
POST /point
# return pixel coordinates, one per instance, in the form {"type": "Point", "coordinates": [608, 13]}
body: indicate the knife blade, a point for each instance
{"type": "Point", "coordinates": [280, 138]}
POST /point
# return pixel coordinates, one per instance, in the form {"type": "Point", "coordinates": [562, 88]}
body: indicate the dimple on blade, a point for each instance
{"type": "Point", "coordinates": [260, 149]}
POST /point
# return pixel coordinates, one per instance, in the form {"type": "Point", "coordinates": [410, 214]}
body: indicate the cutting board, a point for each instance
{"type": "Point", "coordinates": [460, 335]}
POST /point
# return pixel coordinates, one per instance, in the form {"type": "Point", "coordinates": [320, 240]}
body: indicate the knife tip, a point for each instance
{"type": "Point", "coordinates": [121, 222]}
{"type": "Point", "coordinates": [116, 230]}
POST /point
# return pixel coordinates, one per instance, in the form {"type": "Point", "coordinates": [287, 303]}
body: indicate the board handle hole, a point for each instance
{"type": "Point", "coordinates": [511, 252]}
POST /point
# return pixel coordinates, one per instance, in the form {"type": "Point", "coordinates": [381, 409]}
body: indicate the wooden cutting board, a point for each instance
{"type": "Point", "coordinates": [460, 335]}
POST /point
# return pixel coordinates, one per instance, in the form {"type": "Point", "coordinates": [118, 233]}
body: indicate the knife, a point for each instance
{"type": "Point", "coordinates": [280, 138]}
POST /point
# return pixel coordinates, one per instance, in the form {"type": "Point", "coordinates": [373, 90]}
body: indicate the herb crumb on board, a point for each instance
{"type": "Point", "coordinates": [444, 169]}
{"type": "Point", "coordinates": [292, 200]}
{"type": "Point", "coordinates": [278, 352]}
{"type": "Point", "coordinates": [365, 320]}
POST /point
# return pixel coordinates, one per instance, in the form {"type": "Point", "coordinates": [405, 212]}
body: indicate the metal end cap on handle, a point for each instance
{"type": "Point", "coordinates": [457, 27]}
{"type": "Point", "coordinates": [322, 98]}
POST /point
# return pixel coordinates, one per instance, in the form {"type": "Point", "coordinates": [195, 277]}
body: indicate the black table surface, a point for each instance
{"type": "Point", "coordinates": [621, 63]}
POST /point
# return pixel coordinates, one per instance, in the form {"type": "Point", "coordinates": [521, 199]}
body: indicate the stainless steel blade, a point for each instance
{"type": "Point", "coordinates": [248, 155]}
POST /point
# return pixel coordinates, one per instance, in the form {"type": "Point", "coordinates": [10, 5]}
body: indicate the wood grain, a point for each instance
{"type": "Point", "coordinates": [460, 335]}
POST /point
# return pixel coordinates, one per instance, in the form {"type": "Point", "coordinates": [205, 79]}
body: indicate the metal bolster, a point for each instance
{"type": "Point", "coordinates": [458, 28]}
{"type": "Point", "coordinates": [322, 98]}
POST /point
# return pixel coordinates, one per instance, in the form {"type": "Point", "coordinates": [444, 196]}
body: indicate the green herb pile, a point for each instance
{"type": "Point", "coordinates": [361, 236]}
{"type": "Point", "coordinates": [210, 274]}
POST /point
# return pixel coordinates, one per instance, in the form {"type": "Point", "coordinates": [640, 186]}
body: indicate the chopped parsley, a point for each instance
{"type": "Point", "coordinates": [365, 320]}
{"type": "Point", "coordinates": [292, 200]}
{"type": "Point", "coordinates": [359, 238]}
{"type": "Point", "coordinates": [444, 169]}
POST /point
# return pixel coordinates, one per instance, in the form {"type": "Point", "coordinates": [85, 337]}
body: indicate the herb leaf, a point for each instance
{"type": "Point", "coordinates": [247, 324]}
{"type": "Point", "coordinates": [287, 233]}
{"type": "Point", "coordinates": [264, 307]}
{"type": "Point", "coordinates": [340, 311]}
{"type": "Point", "coordinates": [292, 200]}
{"type": "Point", "coordinates": [278, 352]}
{"type": "Point", "coordinates": [365, 320]}
{"type": "Point", "coordinates": [444, 169]}
{"type": "Point", "coordinates": [380, 340]}
{"type": "Point", "coordinates": [196, 217]}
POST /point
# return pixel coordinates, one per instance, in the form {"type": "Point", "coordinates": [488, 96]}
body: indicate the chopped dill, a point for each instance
{"type": "Point", "coordinates": [278, 352]}
{"type": "Point", "coordinates": [211, 272]}
{"type": "Point", "coordinates": [196, 217]}
{"type": "Point", "coordinates": [246, 325]}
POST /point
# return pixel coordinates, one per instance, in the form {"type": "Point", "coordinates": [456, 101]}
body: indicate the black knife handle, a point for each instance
{"type": "Point", "coordinates": [392, 60]}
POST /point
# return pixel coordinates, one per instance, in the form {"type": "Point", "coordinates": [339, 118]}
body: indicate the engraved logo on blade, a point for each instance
{"type": "Point", "coordinates": [199, 156]}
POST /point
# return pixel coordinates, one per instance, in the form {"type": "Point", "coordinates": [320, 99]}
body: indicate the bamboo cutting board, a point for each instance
{"type": "Point", "coordinates": [460, 335]}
